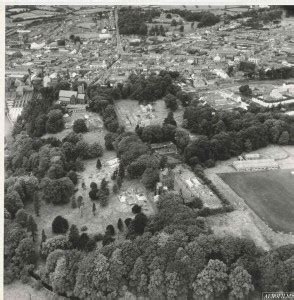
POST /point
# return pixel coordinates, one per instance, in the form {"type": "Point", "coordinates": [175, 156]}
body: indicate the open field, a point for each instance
{"type": "Point", "coordinates": [20, 291]}
{"type": "Point", "coordinates": [269, 193]}
{"type": "Point", "coordinates": [237, 223]}
{"type": "Point", "coordinates": [284, 156]}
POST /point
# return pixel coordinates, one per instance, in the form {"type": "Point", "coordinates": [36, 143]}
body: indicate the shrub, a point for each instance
{"type": "Point", "coordinates": [119, 181]}
{"type": "Point", "coordinates": [59, 225]}
{"type": "Point", "coordinates": [139, 223]}
{"type": "Point", "coordinates": [136, 209]}
{"type": "Point", "coordinates": [58, 191]}
{"type": "Point", "coordinates": [84, 228]}
{"type": "Point", "coordinates": [245, 90]}
{"type": "Point", "coordinates": [103, 198]}
{"type": "Point", "coordinates": [22, 217]}
{"type": "Point", "coordinates": [200, 222]}
{"type": "Point", "coordinates": [110, 230]}
{"type": "Point", "coordinates": [107, 240]}
{"type": "Point", "coordinates": [210, 163]}
{"type": "Point", "coordinates": [115, 188]}
{"type": "Point", "coordinates": [93, 186]}
{"type": "Point", "coordinates": [55, 122]}
{"type": "Point", "coordinates": [80, 201]}
{"type": "Point", "coordinates": [174, 22]}
{"type": "Point", "coordinates": [196, 203]}
{"type": "Point", "coordinates": [72, 175]}
{"type": "Point", "coordinates": [150, 177]}
{"type": "Point", "coordinates": [73, 203]}
{"type": "Point", "coordinates": [98, 164]}
{"type": "Point", "coordinates": [95, 150]}
{"type": "Point", "coordinates": [128, 221]}
{"type": "Point", "coordinates": [114, 174]}
{"type": "Point", "coordinates": [79, 165]}
{"type": "Point", "coordinates": [171, 102]}
{"type": "Point", "coordinates": [98, 237]}
{"type": "Point", "coordinates": [25, 253]}
{"type": "Point", "coordinates": [91, 245]}
{"type": "Point", "coordinates": [120, 224]}
{"type": "Point", "coordinates": [7, 214]}
{"type": "Point", "coordinates": [93, 195]}
{"type": "Point", "coordinates": [80, 126]}
{"type": "Point", "coordinates": [83, 240]}
{"type": "Point", "coordinates": [73, 236]}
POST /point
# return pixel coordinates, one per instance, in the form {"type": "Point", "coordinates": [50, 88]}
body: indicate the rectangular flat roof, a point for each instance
{"type": "Point", "coordinates": [257, 163]}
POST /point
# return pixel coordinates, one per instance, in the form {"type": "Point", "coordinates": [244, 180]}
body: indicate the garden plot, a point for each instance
{"type": "Point", "coordinates": [134, 193]}
{"type": "Point", "coordinates": [93, 120]}
{"type": "Point", "coordinates": [130, 113]}
{"type": "Point", "coordinates": [94, 123]}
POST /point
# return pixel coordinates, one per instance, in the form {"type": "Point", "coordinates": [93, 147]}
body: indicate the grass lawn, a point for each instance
{"type": "Point", "coordinates": [269, 193]}
{"type": "Point", "coordinates": [20, 291]}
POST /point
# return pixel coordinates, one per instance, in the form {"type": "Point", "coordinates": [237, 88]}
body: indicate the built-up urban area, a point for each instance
{"type": "Point", "coordinates": [149, 152]}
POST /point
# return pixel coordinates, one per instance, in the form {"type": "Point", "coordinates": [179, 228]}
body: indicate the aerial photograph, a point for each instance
{"type": "Point", "coordinates": [149, 152]}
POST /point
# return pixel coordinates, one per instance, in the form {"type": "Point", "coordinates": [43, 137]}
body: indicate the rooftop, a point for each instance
{"type": "Point", "coordinates": [67, 94]}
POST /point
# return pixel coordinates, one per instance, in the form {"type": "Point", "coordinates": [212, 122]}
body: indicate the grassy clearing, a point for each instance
{"type": "Point", "coordinates": [237, 223]}
{"type": "Point", "coordinates": [270, 194]}
{"type": "Point", "coordinates": [104, 215]}
{"type": "Point", "coordinates": [20, 291]}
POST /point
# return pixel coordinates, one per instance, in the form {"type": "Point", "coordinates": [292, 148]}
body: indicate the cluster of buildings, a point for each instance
{"type": "Point", "coordinates": [185, 183]}
{"type": "Point", "coordinates": [77, 44]}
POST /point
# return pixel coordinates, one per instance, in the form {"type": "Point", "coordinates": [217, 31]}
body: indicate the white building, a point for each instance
{"type": "Point", "coordinates": [255, 165]}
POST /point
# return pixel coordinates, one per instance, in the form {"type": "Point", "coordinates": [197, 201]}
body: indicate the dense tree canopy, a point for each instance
{"type": "Point", "coordinates": [132, 20]}
{"type": "Point", "coordinates": [226, 134]}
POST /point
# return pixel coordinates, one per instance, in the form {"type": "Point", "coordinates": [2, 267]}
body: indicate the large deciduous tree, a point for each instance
{"type": "Point", "coordinates": [212, 281]}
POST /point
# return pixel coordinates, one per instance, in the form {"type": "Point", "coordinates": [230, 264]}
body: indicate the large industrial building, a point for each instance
{"type": "Point", "coordinates": [255, 165]}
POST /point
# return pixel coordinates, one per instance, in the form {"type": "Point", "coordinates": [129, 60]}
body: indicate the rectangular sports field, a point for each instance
{"type": "Point", "coordinates": [269, 193]}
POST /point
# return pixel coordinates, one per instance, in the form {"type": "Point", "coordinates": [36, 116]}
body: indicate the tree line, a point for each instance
{"type": "Point", "coordinates": [205, 18]}
{"type": "Point", "coordinates": [133, 20]}
{"type": "Point", "coordinates": [251, 70]}
{"type": "Point", "coordinates": [229, 133]}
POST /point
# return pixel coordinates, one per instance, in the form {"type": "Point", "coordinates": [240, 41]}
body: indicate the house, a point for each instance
{"type": "Point", "coordinates": [253, 60]}
{"type": "Point", "coordinates": [67, 97]}
{"type": "Point", "coordinates": [164, 148]}
{"type": "Point", "coordinates": [189, 187]}
{"type": "Point", "coordinates": [252, 156]}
